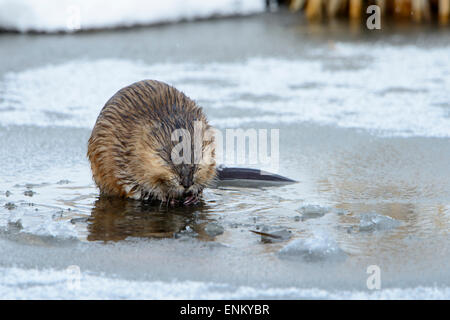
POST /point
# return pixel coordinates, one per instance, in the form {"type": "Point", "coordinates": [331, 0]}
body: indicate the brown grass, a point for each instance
{"type": "Point", "coordinates": [415, 10]}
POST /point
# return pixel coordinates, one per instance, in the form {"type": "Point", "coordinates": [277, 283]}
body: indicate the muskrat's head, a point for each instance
{"type": "Point", "coordinates": [176, 171]}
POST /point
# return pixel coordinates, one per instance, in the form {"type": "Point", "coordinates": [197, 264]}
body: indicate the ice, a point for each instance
{"type": "Point", "coordinates": [10, 206]}
{"type": "Point", "coordinates": [373, 221]}
{"type": "Point", "coordinates": [48, 96]}
{"type": "Point", "coordinates": [69, 15]}
{"type": "Point", "coordinates": [214, 229]}
{"type": "Point", "coordinates": [22, 223]}
{"type": "Point", "coordinates": [318, 247]}
{"type": "Point", "coordinates": [273, 234]}
{"type": "Point", "coordinates": [313, 211]}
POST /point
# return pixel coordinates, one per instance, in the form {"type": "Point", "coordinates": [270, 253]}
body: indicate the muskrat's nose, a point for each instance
{"type": "Point", "coordinates": [186, 183]}
{"type": "Point", "coordinates": [186, 177]}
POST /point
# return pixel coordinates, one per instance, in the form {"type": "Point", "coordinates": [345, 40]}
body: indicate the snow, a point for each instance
{"type": "Point", "coordinates": [67, 284]}
{"type": "Point", "coordinates": [71, 15]}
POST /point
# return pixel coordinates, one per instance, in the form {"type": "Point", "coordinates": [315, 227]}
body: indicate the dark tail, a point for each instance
{"type": "Point", "coordinates": [246, 177]}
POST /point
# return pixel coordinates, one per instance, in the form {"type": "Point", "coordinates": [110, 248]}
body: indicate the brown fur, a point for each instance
{"type": "Point", "coordinates": [130, 146]}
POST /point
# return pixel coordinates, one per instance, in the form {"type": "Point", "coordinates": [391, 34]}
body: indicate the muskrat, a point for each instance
{"type": "Point", "coordinates": [135, 138]}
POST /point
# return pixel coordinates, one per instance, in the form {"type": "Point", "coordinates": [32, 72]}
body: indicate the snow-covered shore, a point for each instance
{"type": "Point", "coordinates": [72, 15]}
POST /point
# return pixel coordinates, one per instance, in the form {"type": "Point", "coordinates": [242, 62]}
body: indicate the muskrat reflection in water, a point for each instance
{"type": "Point", "coordinates": [114, 219]}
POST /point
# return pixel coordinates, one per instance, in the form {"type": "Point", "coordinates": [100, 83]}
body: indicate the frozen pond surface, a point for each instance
{"type": "Point", "coordinates": [364, 126]}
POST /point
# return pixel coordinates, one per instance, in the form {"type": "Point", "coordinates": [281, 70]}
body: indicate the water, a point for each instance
{"type": "Point", "coordinates": [364, 127]}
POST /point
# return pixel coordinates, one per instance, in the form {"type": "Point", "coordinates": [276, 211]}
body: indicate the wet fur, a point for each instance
{"type": "Point", "coordinates": [130, 146]}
